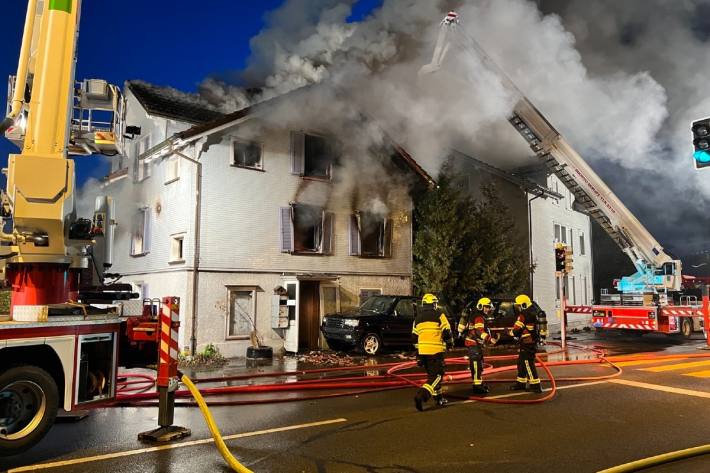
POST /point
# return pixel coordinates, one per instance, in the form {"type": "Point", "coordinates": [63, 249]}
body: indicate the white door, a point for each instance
{"type": "Point", "coordinates": [291, 335]}
{"type": "Point", "coordinates": [329, 304]}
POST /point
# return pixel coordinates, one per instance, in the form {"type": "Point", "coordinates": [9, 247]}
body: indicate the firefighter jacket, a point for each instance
{"type": "Point", "coordinates": [473, 328]}
{"type": "Point", "coordinates": [525, 328]}
{"type": "Point", "coordinates": [431, 331]}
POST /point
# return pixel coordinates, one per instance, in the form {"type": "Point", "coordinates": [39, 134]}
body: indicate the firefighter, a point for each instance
{"type": "Point", "coordinates": [530, 327]}
{"type": "Point", "coordinates": [472, 328]}
{"type": "Point", "coordinates": [431, 335]}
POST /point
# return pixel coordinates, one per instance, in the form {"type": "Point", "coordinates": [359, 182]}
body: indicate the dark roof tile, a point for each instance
{"type": "Point", "coordinates": [171, 103]}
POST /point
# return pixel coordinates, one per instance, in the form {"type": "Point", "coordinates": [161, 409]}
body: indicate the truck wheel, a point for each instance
{"type": "Point", "coordinates": [371, 344]}
{"type": "Point", "coordinates": [686, 328]}
{"type": "Point", "coordinates": [28, 407]}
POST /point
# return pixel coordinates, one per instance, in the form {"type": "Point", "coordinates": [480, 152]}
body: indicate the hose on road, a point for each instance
{"type": "Point", "coordinates": [658, 460]}
{"type": "Point", "coordinates": [214, 430]}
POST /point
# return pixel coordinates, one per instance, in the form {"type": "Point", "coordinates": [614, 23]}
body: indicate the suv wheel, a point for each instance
{"type": "Point", "coordinates": [371, 344]}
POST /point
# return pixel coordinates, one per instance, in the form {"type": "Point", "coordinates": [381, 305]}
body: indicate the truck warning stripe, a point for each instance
{"type": "Point", "coordinates": [677, 366]}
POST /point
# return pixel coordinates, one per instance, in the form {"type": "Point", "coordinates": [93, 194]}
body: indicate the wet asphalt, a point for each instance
{"type": "Point", "coordinates": [587, 427]}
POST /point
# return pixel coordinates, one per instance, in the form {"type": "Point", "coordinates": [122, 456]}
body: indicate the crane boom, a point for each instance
{"type": "Point", "coordinates": [656, 270]}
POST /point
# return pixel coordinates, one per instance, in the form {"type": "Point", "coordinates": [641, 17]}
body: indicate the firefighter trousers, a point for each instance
{"type": "Point", "coordinates": [527, 372]}
{"type": "Point", "coordinates": [475, 364]}
{"type": "Point", "coordinates": [435, 368]}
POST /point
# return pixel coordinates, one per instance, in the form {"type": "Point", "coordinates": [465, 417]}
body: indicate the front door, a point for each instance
{"type": "Point", "coordinates": [291, 335]}
{"type": "Point", "coordinates": [309, 315]}
{"type": "Point", "coordinates": [329, 304]}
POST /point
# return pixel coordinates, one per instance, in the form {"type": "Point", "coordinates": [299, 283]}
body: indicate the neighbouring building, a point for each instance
{"type": "Point", "coordinates": [544, 213]}
{"type": "Point", "coordinates": [248, 224]}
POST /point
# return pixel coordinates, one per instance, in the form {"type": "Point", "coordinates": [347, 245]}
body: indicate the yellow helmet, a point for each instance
{"type": "Point", "coordinates": [429, 299]}
{"type": "Point", "coordinates": [484, 302]}
{"type": "Point", "coordinates": [523, 301]}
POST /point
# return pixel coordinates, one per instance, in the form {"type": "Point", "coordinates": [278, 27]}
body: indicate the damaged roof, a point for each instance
{"type": "Point", "coordinates": [202, 128]}
{"type": "Point", "coordinates": [170, 103]}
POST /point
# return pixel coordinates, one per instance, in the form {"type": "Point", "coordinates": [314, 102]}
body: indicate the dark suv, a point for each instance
{"type": "Point", "coordinates": [381, 321]}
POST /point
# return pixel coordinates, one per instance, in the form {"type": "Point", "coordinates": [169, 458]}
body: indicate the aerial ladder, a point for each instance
{"type": "Point", "coordinates": [656, 271]}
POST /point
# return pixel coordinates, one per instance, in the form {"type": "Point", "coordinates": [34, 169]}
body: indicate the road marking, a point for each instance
{"type": "Point", "coordinates": [677, 366]}
{"type": "Point", "coordinates": [699, 374]}
{"type": "Point", "coordinates": [127, 453]}
{"type": "Point", "coordinates": [640, 362]}
{"type": "Point", "coordinates": [658, 387]}
{"type": "Point", "coordinates": [522, 393]}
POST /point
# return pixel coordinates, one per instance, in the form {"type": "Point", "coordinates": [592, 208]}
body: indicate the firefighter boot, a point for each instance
{"type": "Point", "coordinates": [481, 389]}
{"type": "Point", "coordinates": [440, 400]}
{"type": "Point", "coordinates": [536, 388]}
{"type": "Point", "coordinates": [518, 386]}
{"type": "Point", "coordinates": [419, 400]}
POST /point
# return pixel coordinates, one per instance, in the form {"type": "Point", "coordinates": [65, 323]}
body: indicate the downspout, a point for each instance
{"type": "Point", "coordinates": [18, 98]}
{"type": "Point", "coordinates": [196, 237]}
{"type": "Point", "coordinates": [530, 244]}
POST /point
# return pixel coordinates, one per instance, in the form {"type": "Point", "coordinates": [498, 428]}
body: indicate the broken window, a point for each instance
{"type": "Point", "coordinates": [246, 154]}
{"type": "Point", "coordinates": [306, 229]}
{"type": "Point", "coordinates": [370, 235]}
{"type": "Point", "coordinates": [312, 155]}
{"type": "Point", "coordinates": [140, 233]}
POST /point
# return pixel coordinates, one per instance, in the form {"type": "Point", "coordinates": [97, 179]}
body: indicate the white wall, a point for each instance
{"type": "Point", "coordinates": [546, 213]}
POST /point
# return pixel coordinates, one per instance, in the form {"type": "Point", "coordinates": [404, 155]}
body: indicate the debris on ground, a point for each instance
{"type": "Point", "coordinates": [405, 356]}
{"type": "Point", "coordinates": [320, 358]}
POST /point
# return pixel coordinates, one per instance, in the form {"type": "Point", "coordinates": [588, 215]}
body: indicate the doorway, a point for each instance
{"type": "Point", "coordinates": [309, 316]}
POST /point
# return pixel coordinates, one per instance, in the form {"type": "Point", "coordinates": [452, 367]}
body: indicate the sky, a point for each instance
{"type": "Point", "coordinates": [159, 41]}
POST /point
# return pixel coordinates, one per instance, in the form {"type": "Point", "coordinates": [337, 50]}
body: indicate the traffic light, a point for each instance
{"type": "Point", "coordinates": [559, 257]}
{"type": "Point", "coordinates": [701, 143]}
{"type": "Point", "coordinates": [568, 260]}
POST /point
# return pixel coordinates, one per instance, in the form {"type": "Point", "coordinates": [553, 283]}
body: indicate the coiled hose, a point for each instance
{"type": "Point", "coordinates": [214, 430]}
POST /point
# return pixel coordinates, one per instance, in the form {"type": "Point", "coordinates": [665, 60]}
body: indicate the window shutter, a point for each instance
{"type": "Point", "coordinates": [286, 216]}
{"type": "Point", "coordinates": [355, 236]}
{"type": "Point", "coordinates": [146, 230]}
{"type": "Point", "coordinates": [328, 218]}
{"type": "Point", "coordinates": [298, 151]}
{"type": "Point", "coordinates": [388, 238]}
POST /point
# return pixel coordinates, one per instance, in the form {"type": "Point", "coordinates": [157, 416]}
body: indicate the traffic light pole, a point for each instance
{"type": "Point", "coordinates": [563, 309]}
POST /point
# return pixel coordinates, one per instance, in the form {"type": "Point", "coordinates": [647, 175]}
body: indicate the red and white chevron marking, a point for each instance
{"type": "Point", "coordinates": [688, 312]}
{"type": "Point", "coordinates": [625, 326]}
{"type": "Point", "coordinates": [168, 351]}
{"type": "Point", "coordinates": [578, 309]}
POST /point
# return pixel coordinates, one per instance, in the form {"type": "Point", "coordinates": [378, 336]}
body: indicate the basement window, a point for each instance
{"type": "Point", "coordinates": [177, 248]}
{"type": "Point", "coordinates": [370, 235]}
{"type": "Point", "coordinates": [241, 317]}
{"type": "Point", "coordinates": [306, 229]}
{"type": "Point", "coordinates": [140, 232]}
{"type": "Point", "coordinates": [312, 156]}
{"type": "Point", "coordinates": [247, 154]}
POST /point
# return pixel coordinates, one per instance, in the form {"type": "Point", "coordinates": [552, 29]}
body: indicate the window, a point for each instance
{"type": "Point", "coordinates": [563, 234]}
{"type": "Point", "coordinates": [140, 233]}
{"type": "Point", "coordinates": [312, 156]}
{"type": "Point", "coordinates": [306, 229]}
{"type": "Point", "coordinates": [365, 294]}
{"type": "Point", "coordinates": [571, 241]}
{"type": "Point", "coordinates": [582, 250]}
{"type": "Point", "coordinates": [172, 169]}
{"type": "Point", "coordinates": [141, 168]}
{"type": "Point", "coordinates": [246, 154]}
{"type": "Point", "coordinates": [405, 308]}
{"type": "Point", "coordinates": [370, 235]}
{"type": "Point", "coordinates": [177, 249]}
{"type": "Point", "coordinates": [242, 309]}
{"type": "Point", "coordinates": [557, 233]}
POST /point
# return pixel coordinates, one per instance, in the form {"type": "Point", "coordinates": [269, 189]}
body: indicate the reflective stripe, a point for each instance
{"type": "Point", "coordinates": [436, 382]}
{"type": "Point", "coordinates": [478, 326]}
{"type": "Point", "coordinates": [429, 388]}
{"type": "Point", "coordinates": [526, 335]}
{"type": "Point", "coordinates": [519, 324]}
{"type": "Point", "coordinates": [521, 380]}
{"type": "Point", "coordinates": [533, 380]}
{"type": "Point", "coordinates": [476, 376]}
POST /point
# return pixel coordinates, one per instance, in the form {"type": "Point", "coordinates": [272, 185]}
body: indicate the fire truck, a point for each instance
{"type": "Point", "coordinates": [59, 345]}
{"type": "Point", "coordinates": [648, 300]}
